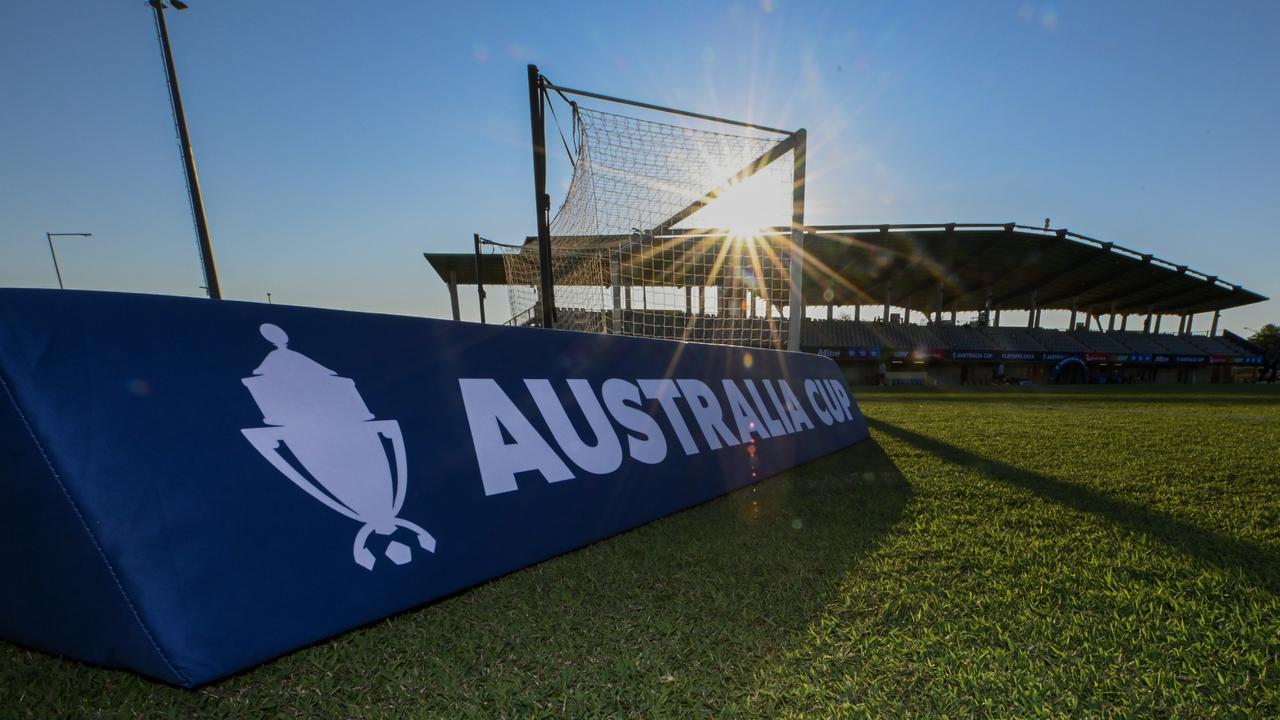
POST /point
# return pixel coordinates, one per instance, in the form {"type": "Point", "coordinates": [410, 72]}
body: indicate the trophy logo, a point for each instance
{"type": "Point", "coordinates": [340, 450]}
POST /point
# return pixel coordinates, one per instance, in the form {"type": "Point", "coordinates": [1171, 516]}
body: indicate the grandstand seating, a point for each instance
{"type": "Point", "coordinates": [963, 338]}
{"type": "Point", "coordinates": [658, 323]}
{"type": "Point", "coordinates": [849, 333]}
{"type": "Point", "coordinates": [1178, 344]}
{"type": "Point", "coordinates": [1140, 342]}
{"type": "Point", "coordinates": [1236, 348]}
{"type": "Point", "coordinates": [574, 319]}
{"type": "Point", "coordinates": [1057, 340]}
{"type": "Point", "coordinates": [1013, 339]}
{"type": "Point", "coordinates": [1213, 345]}
{"type": "Point", "coordinates": [1183, 344]}
{"type": "Point", "coordinates": [1097, 341]}
{"type": "Point", "coordinates": [862, 331]}
{"type": "Point", "coordinates": [818, 334]}
{"type": "Point", "coordinates": [906, 335]}
{"type": "Point", "coordinates": [675, 324]}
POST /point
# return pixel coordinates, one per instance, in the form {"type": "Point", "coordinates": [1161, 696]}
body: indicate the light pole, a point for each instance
{"type": "Point", "coordinates": [50, 236]}
{"type": "Point", "coordinates": [188, 156]}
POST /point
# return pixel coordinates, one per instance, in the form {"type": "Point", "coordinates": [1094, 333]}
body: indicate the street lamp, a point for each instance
{"type": "Point", "coordinates": [188, 156]}
{"type": "Point", "coordinates": [50, 236]}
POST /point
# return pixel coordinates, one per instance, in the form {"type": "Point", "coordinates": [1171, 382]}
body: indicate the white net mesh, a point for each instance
{"type": "Point", "coordinates": [624, 259]}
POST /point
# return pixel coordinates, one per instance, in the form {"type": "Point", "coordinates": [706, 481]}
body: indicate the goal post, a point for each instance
{"type": "Point", "coordinates": [796, 274]}
{"type": "Point", "coordinates": [661, 205]}
{"type": "Point", "coordinates": [538, 127]}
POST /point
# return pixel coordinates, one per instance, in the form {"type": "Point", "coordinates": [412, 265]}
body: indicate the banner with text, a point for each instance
{"type": "Point", "coordinates": [196, 487]}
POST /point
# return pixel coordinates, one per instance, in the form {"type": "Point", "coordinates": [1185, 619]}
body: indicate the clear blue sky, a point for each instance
{"type": "Point", "coordinates": [337, 141]}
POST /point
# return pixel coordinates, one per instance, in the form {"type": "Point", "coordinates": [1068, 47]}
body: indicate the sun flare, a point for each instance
{"type": "Point", "coordinates": [747, 208]}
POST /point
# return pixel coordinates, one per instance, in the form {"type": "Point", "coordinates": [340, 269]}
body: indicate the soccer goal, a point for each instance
{"type": "Point", "coordinates": [673, 224]}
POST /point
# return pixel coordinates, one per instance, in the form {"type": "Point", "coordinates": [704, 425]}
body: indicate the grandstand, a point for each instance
{"type": "Point", "coordinates": [918, 280]}
{"type": "Point", "coordinates": [672, 227]}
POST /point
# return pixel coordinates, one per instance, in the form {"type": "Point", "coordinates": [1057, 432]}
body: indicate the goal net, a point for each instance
{"type": "Point", "coordinates": [668, 228]}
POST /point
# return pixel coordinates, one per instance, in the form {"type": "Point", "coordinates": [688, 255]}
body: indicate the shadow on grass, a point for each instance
{"type": "Point", "coordinates": [1258, 565]}
{"type": "Point", "coordinates": [672, 618]}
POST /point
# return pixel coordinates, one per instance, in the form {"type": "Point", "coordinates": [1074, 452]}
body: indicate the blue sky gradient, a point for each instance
{"type": "Point", "coordinates": [338, 141]}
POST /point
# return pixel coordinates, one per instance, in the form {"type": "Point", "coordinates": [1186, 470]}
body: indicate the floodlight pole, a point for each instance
{"type": "Point", "coordinates": [188, 156]}
{"type": "Point", "coordinates": [537, 127]}
{"type": "Point", "coordinates": [795, 322]}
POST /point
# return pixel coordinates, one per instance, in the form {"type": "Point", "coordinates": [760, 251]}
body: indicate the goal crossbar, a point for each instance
{"type": "Point", "coordinates": [659, 108]}
{"type": "Point", "coordinates": [752, 168]}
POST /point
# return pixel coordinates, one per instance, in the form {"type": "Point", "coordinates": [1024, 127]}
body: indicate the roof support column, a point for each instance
{"type": "Point", "coordinates": [1111, 322]}
{"type": "Point", "coordinates": [1158, 318]}
{"type": "Point", "coordinates": [857, 312]}
{"type": "Point", "coordinates": [907, 310]}
{"type": "Point", "coordinates": [829, 309]}
{"type": "Point", "coordinates": [1146, 327]}
{"type": "Point", "coordinates": [1190, 318]}
{"type": "Point", "coordinates": [479, 277]}
{"type": "Point", "coordinates": [1213, 329]}
{"type": "Point", "coordinates": [615, 276]}
{"type": "Point", "coordinates": [953, 314]}
{"type": "Point", "coordinates": [1074, 302]}
{"type": "Point", "coordinates": [997, 318]}
{"type": "Point", "coordinates": [1031, 317]}
{"type": "Point", "coordinates": [702, 299]}
{"type": "Point", "coordinates": [1182, 323]}
{"type": "Point", "coordinates": [1124, 322]}
{"type": "Point", "coordinates": [888, 300]}
{"type": "Point", "coordinates": [688, 300]}
{"type": "Point", "coordinates": [937, 306]}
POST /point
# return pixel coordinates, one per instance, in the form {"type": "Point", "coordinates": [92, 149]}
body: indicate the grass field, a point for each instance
{"type": "Point", "coordinates": [1100, 552]}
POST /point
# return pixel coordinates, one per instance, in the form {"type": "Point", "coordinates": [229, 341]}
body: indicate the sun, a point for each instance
{"type": "Point", "coordinates": [747, 208]}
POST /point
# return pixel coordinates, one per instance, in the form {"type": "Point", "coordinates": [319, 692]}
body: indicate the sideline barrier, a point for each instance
{"type": "Point", "coordinates": [190, 488]}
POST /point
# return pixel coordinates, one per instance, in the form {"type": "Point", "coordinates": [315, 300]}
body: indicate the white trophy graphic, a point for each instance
{"type": "Point", "coordinates": [327, 428]}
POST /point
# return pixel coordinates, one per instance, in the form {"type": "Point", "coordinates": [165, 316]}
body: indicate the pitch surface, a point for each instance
{"type": "Point", "coordinates": [1020, 553]}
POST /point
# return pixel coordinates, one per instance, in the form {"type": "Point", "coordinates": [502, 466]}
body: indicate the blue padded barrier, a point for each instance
{"type": "Point", "coordinates": [189, 488]}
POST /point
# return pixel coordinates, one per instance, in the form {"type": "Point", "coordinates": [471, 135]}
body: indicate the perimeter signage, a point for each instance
{"type": "Point", "coordinates": [924, 355]}
{"type": "Point", "coordinates": [194, 487]}
{"type": "Point", "coordinates": [691, 411]}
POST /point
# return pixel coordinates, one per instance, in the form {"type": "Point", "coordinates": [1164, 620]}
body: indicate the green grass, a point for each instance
{"type": "Point", "coordinates": [1102, 553]}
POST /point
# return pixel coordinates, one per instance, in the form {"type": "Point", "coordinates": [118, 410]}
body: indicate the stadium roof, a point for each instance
{"type": "Point", "coordinates": [1018, 266]}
